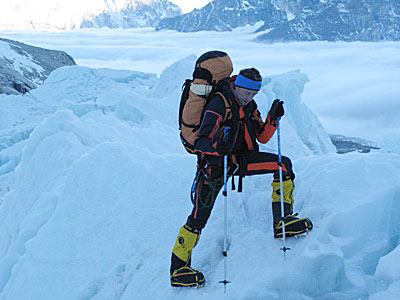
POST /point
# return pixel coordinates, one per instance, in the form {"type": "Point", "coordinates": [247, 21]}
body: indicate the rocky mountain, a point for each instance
{"type": "Point", "coordinates": [346, 144]}
{"type": "Point", "coordinates": [75, 14]}
{"type": "Point", "coordinates": [338, 20]}
{"type": "Point", "coordinates": [23, 67]}
{"type": "Point", "coordinates": [134, 14]}
{"type": "Point", "coordinates": [297, 20]}
{"type": "Point", "coordinates": [225, 15]}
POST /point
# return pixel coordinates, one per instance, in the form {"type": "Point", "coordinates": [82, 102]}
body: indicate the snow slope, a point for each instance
{"type": "Point", "coordinates": [23, 66]}
{"type": "Point", "coordinates": [99, 186]}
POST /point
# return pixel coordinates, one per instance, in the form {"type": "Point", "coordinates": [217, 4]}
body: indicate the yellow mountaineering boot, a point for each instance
{"type": "Point", "coordinates": [293, 225]}
{"type": "Point", "coordinates": [288, 198]}
{"type": "Point", "coordinates": [182, 275]}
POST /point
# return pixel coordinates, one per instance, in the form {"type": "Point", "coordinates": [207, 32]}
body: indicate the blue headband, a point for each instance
{"type": "Point", "coordinates": [247, 83]}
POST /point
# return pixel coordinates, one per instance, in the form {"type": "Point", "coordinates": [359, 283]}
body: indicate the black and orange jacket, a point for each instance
{"type": "Point", "coordinates": [246, 126]}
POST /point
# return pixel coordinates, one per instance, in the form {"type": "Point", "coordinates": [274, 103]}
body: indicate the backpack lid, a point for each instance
{"type": "Point", "coordinates": [213, 66]}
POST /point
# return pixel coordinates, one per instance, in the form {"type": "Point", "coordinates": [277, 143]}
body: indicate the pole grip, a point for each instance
{"type": "Point", "coordinates": [226, 131]}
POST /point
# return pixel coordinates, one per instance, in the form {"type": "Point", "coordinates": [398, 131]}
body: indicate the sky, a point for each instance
{"type": "Point", "coordinates": [189, 5]}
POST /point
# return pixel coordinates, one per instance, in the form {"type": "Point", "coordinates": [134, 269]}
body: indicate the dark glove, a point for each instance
{"type": "Point", "coordinates": [223, 148]}
{"type": "Point", "coordinates": [276, 110]}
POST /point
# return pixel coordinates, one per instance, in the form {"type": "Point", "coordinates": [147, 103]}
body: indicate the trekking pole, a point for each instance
{"type": "Point", "coordinates": [284, 248]}
{"type": "Point", "coordinates": [225, 193]}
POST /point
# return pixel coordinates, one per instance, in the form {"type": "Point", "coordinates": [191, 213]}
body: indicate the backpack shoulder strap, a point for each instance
{"type": "Point", "coordinates": [184, 97]}
{"type": "Point", "coordinates": [228, 106]}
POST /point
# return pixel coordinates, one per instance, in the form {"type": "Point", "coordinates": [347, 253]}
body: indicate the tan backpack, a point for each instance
{"type": "Point", "coordinates": [210, 69]}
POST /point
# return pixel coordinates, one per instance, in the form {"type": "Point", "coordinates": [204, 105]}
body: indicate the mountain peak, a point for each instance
{"type": "Point", "coordinates": [75, 14]}
{"type": "Point", "coordinates": [303, 20]}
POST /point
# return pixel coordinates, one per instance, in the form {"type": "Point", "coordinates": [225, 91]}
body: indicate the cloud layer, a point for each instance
{"type": "Point", "coordinates": [354, 88]}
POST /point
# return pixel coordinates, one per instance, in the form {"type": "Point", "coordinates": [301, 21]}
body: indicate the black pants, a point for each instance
{"type": "Point", "coordinates": [209, 180]}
